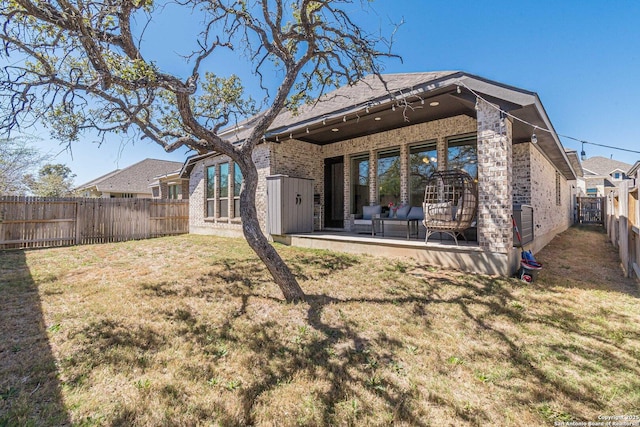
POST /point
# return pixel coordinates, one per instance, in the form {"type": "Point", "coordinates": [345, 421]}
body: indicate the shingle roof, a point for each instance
{"type": "Point", "coordinates": [601, 166]}
{"type": "Point", "coordinates": [133, 179]}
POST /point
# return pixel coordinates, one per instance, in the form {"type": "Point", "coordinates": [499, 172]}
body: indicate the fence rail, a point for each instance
{"type": "Point", "coordinates": [29, 222]}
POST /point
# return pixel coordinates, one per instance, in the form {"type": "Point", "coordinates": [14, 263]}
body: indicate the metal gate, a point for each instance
{"type": "Point", "coordinates": [591, 210]}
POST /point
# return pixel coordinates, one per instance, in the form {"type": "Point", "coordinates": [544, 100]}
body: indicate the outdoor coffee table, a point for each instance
{"type": "Point", "coordinates": [408, 222]}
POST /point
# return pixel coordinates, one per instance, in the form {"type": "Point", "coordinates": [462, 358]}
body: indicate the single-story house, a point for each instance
{"type": "Point", "coordinates": [375, 144]}
{"type": "Point", "coordinates": [134, 181]}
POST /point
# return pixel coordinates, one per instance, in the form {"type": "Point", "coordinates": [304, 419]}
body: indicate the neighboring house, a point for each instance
{"type": "Point", "coordinates": [602, 175]}
{"type": "Point", "coordinates": [366, 144]}
{"type": "Point", "coordinates": [131, 182]}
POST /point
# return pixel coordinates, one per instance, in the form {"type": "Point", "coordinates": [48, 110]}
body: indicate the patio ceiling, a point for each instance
{"type": "Point", "coordinates": [383, 118]}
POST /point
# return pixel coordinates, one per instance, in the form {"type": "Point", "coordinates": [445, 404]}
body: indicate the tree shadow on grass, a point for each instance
{"type": "Point", "coordinates": [329, 368]}
{"type": "Point", "coordinates": [30, 392]}
{"type": "Point", "coordinates": [361, 368]}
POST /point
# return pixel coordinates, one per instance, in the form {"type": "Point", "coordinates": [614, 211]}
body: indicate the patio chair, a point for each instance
{"type": "Point", "coordinates": [450, 203]}
{"type": "Point", "coordinates": [368, 213]}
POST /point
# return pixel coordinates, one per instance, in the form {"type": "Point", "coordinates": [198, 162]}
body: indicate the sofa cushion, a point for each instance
{"type": "Point", "coordinates": [416, 212]}
{"type": "Point", "coordinates": [403, 211]}
{"type": "Point", "coordinates": [369, 212]}
{"type": "Point", "coordinates": [438, 212]}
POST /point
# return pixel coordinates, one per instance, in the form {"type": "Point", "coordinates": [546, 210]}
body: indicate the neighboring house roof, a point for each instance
{"type": "Point", "coordinates": [602, 166]}
{"type": "Point", "coordinates": [632, 171]}
{"type": "Point", "coordinates": [132, 179]}
{"type": "Point", "coordinates": [370, 106]}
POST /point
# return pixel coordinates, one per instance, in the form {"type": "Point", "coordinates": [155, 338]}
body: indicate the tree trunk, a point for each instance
{"type": "Point", "coordinates": [257, 240]}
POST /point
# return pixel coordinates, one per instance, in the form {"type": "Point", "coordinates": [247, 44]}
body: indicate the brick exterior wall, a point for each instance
{"type": "Point", "coordinates": [534, 183]}
{"type": "Point", "coordinates": [522, 174]}
{"type": "Point", "coordinates": [549, 217]}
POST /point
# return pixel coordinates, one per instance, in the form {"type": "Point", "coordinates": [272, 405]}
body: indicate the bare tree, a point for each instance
{"type": "Point", "coordinates": [78, 65]}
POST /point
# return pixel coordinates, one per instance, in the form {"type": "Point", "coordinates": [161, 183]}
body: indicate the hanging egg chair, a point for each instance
{"type": "Point", "coordinates": [450, 203]}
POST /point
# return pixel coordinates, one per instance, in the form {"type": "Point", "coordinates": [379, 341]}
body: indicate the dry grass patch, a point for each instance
{"type": "Point", "coordinates": [192, 331]}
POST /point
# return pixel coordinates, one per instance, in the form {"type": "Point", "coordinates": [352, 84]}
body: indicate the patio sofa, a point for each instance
{"type": "Point", "coordinates": [363, 223]}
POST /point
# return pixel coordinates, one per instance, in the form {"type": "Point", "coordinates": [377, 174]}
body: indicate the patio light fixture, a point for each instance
{"type": "Point", "coordinates": [377, 119]}
{"type": "Point", "coordinates": [534, 138]}
{"type": "Point", "coordinates": [335, 130]}
{"type": "Point", "coordinates": [434, 104]}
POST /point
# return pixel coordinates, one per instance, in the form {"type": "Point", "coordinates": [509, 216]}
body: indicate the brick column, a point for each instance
{"type": "Point", "coordinates": [441, 148]}
{"type": "Point", "coordinates": [404, 174]}
{"type": "Point", "coordinates": [495, 197]}
{"type": "Point", "coordinates": [347, 191]}
{"type": "Point", "coordinates": [373, 175]}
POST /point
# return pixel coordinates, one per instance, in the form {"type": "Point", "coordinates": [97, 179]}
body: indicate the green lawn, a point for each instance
{"type": "Point", "coordinates": [190, 330]}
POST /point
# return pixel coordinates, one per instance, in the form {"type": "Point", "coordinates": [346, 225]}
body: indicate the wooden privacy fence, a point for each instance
{"type": "Point", "coordinates": [623, 225]}
{"type": "Point", "coordinates": [31, 222]}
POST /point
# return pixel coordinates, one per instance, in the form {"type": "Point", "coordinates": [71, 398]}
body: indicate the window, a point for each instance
{"type": "Point", "coordinates": [423, 161]}
{"type": "Point", "coordinates": [359, 183]}
{"type": "Point", "coordinates": [237, 186]}
{"type": "Point", "coordinates": [211, 191]}
{"type": "Point", "coordinates": [155, 192]}
{"type": "Point", "coordinates": [558, 195]}
{"type": "Point", "coordinates": [175, 191]}
{"type": "Point", "coordinates": [462, 153]}
{"type": "Point", "coordinates": [616, 175]}
{"type": "Point", "coordinates": [389, 177]}
{"type": "Point", "coordinates": [223, 203]}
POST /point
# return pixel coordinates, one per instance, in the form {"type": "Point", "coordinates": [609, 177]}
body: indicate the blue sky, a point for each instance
{"type": "Point", "coordinates": [581, 57]}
